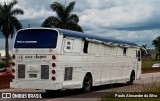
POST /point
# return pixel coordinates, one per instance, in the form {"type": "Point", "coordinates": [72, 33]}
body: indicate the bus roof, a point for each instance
{"type": "Point", "coordinates": [82, 35]}
{"type": "Point", "coordinates": [75, 34]}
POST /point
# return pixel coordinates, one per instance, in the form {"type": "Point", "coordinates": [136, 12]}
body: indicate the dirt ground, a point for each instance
{"type": "Point", "coordinates": [150, 70]}
{"type": "Point", "coordinates": [5, 80]}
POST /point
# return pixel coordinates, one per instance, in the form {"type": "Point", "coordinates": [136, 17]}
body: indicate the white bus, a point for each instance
{"type": "Point", "coordinates": [57, 59]}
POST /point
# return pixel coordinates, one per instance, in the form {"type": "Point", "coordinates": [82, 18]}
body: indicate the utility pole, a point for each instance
{"type": "Point", "coordinates": [29, 26]}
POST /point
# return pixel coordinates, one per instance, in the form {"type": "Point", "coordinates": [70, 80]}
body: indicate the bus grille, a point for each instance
{"type": "Point", "coordinates": [68, 73]}
{"type": "Point", "coordinates": [44, 71]}
{"type": "Point", "coordinates": [21, 71]}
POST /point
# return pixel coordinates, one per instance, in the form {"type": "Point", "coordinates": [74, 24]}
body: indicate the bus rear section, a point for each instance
{"type": "Point", "coordinates": [35, 57]}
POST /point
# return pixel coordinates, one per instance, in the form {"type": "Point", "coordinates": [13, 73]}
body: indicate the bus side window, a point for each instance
{"type": "Point", "coordinates": [85, 48]}
{"type": "Point", "coordinates": [136, 54]}
{"type": "Point", "coordinates": [139, 56]}
{"type": "Point", "coordinates": [68, 45]}
{"type": "Point", "coordinates": [124, 51]}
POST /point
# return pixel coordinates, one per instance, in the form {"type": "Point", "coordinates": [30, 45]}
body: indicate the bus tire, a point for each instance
{"type": "Point", "coordinates": [87, 83]}
{"type": "Point", "coordinates": [132, 78]}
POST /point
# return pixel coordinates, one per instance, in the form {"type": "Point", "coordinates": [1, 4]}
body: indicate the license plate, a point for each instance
{"type": "Point", "coordinates": [33, 75]}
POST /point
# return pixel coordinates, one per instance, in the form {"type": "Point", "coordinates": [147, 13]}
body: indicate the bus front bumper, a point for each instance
{"type": "Point", "coordinates": [36, 85]}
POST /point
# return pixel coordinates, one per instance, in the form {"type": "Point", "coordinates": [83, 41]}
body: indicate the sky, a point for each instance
{"type": "Point", "coordinates": [131, 20]}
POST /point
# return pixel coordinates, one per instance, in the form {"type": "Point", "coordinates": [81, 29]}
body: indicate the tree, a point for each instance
{"type": "Point", "coordinates": [64, 18]}
{"type": "Point", "coordinates": [156, 43]}
{"type": "Point", "coordinates": [143, 50]}
{"type": "Point", "coordinates": [9, 23]}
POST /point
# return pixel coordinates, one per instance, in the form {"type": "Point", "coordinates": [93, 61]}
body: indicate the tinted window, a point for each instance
{"type": "Point", "coordinates": [139, 56]}
{"type": "Point", "coordinates": [36, 38]}
{"type": "Point", "coordinates": [124, 51]}
{"type": "Point", "coordinates": [85, 49]}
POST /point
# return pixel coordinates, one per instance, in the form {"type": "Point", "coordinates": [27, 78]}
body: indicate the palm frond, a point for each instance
{"type": "Point", "coordinates": [50, 21]}
{"type": "Point", "coordinates": [0, 25]}
{"type": "Point", "coordinates": [16, 23]}
{"type": "Point", "coordinates": [75, 27]}
{"type": "Point", "coordinates": [73, 19]}
{"type": "Point", "coordinates": [59, 9]}
{"type": "Point", "coordinates": [17, 11]}
{"type": "Point", "coordinates": [1, 19]}
{"type": "Point", "coordinates": [10, 30]}
{"type": "Point", "coordinates": [12, 3]}
{"type": "Point", "coordinates": [64, 18]}
{"type": "Point", "coordinates": [1, 7]}
{"type": "Point", "coordinates": [70, 7]}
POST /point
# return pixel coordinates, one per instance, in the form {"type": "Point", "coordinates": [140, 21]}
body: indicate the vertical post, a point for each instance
{"type": "Point", "coordinates": [29, 26]}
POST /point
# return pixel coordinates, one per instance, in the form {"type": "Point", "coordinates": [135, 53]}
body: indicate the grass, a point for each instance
{"type": "Point", "coordinates": [149, 63]}
{"type": "Point", "coordinates": [154, 90]}
{"type": "Point", "coordinates": [130, 99]}
{"type": "Point", "coordinates": [150, 88]}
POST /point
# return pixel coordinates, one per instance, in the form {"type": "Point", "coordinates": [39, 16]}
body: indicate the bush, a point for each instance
{"type": "Point", "coordinates": [2, 64]}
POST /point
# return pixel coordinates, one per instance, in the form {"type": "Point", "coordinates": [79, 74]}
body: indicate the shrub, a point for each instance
{"type": "Point", "coordinates": [2, 64]}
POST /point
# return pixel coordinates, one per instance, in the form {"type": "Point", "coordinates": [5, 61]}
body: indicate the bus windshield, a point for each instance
{"type": "Point", "coordinates": [36, 38]}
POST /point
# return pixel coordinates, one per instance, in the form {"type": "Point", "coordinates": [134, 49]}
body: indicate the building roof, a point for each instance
{"type": "Point", "coordinates": [96, 37]}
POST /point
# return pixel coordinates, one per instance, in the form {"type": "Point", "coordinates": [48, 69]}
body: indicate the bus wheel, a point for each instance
{"type": "Point", "coordinates": [87, 84]}
{"type": "Point", "coordinates": [132, 78]}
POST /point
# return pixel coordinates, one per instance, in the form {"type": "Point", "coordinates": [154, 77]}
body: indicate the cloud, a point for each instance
{"type": "Point", "coordinates": [136, 14]}
{"type": "Point", "coordinates": [132, 20]}
{"type": "Point", "coordinates": [2, 44]}
{"type": "Point", "coordinates": [1, 35]}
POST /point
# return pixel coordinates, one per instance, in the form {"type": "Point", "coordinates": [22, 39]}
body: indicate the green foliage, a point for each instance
{"type": "Point", "coordinates": [2, 64]}
{"type": "Point", "coordinates": [64, 19]}
{"type": "Point", "coordinates": [149, 63]}
{"type": "Point", "coordinates": [156, 43]}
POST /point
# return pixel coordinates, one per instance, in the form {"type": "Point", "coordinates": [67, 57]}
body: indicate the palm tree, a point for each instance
{"type": "Point", "coordinates": [9, 23]}
{"type": "Point", "coordinates": [143, 50]}
{"type": "Point", "coordinates": [64, 18]}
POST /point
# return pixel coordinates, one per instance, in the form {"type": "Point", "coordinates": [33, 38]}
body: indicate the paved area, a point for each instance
{"type": "Point", "coordinates": [148, 78]}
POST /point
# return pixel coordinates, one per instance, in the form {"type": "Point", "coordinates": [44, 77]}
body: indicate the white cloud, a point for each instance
{"type": "Point", "coordinates": [135, 11]}
{"type": "Point", "coordinates": [31, 13]}
{"type": "Point", "coordinates": [136, 19]}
